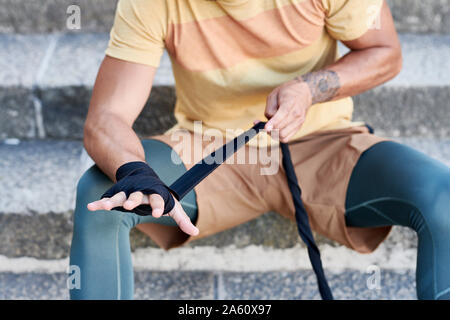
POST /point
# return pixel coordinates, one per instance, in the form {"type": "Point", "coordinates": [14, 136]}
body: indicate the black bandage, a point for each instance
{"type": "Point", "coordinates": [138, 176]}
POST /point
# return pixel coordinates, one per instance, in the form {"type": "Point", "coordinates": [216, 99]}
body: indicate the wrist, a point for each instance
{"type": "Point", "coordinates": [132, 168]}
{"type": "Point", "coordinates": [305, 93]}
{"type": "Point", "coordinates": [138, 176]}
{"type": "Point", "coordinates": [323, 85]}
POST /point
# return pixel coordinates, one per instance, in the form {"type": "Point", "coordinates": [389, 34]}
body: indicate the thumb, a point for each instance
{"type": "Point", "coordinates": [271, 104]}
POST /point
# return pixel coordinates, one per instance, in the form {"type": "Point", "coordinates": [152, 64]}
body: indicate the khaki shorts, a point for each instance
{"type": "Point", "coordinates": [239, 192]}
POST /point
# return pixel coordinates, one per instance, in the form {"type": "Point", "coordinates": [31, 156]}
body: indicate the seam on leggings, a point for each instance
{"type": "Point", "coordinates": [438, 295]}
{"type": "Point", "coordinates": [118, 259]}
{"type": "Point", "coordinates": [380, 213]}
{"type": "Point", "coordinates": [367, 205]}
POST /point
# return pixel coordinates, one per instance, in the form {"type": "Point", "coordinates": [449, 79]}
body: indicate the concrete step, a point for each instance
{"type": "Point", "coordinates": [51, 98]}
{"type": "Point", "coordinates": [199, 285]}
{"type": "Point", "coordinates": [37, 184]}
{"type": "Point", "coordinates": [42, 16]}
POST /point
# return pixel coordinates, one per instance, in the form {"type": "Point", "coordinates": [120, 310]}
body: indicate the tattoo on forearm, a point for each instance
{"type": "Point", "coordinates": [324, 85]}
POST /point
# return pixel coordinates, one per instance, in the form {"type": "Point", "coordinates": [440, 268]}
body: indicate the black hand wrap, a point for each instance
{"type": "Point", "coordinates": [138, 176]}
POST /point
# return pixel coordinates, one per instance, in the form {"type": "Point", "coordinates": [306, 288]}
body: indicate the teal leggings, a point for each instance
{"type": "Point", "coordinates": [392, 184]}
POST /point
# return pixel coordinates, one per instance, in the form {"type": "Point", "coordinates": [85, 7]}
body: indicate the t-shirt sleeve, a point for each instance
{"type": "Point", "coordinates": [139, 31]}
{"type": "Point", "coordinates": [349, 19]}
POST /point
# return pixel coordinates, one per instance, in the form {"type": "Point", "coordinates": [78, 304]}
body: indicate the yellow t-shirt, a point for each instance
{"type": "Point", "coordinates": [228, 55]}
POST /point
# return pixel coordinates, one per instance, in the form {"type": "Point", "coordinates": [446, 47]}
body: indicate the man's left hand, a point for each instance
{"type": "Point", "coordinates": [286, 108]}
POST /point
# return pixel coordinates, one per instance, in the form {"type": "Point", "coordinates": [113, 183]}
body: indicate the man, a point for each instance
{"type": "Point", "coordinates": [236, 62]}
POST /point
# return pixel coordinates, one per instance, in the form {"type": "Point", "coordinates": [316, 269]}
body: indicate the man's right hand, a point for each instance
{"type": "Point", "coordinates": [155, 201]}
{"type": "Point", "coordinates": [120, 92]}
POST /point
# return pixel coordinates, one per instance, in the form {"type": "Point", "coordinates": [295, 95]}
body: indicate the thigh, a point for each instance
{"type": "Point", "coordinates": [393, 184]}
{"type": "Point", "coordinates": [389, 182]}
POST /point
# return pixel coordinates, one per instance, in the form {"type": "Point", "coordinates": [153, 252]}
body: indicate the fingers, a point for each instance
{"type": "Point", "coordinates": [277, 110]}
{"type": "Point", "coordinates": [271, 104]}
{"type": "Point", "coordinates": [287, 104]}
{"type": "Point", "coordinates": [154, 200]}
{"type": "Point", "coordinates": [287, 132]}
{"type": "Point", "coordinates": [182, 220]}
{"type": "Point", "coordinates": [281, 118]}
{"type": "Point", "coordinates": [118, 200]}
{"type": "Point", "coordinates": [157, 204]}
{"type": "Point", "coordinates": [108, 203]}
{"type": "Point", "coordinates": [96, 205]}
{"type": "Point", "coordinates": [134, 200]}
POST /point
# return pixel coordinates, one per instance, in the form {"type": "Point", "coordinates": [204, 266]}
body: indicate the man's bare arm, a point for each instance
{"type": "Point", "coordinates": [120, 92]}
{"type": "Point", "coordinates": [374, 59]}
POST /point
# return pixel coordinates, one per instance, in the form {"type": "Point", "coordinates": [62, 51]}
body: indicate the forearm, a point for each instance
{"type": "Point", "coordinates": [356, 72]}
{"type": "Point", "coordinates": [120, 92]}
{"type": "Point", "coordinates": [375, 58]}
{"type": "Point", "coordinates": [360, 70]}
{"type": "Point", "coordinates": [111, 142]}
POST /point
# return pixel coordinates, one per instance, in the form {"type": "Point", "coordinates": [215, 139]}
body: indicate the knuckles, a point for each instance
{"type": "Point", "coordinates": [297, 112]}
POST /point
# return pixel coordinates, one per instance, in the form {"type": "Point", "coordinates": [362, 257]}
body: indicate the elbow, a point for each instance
{"type": "Point", "coordinates": [99, 127]}
{"type": "Point", "coordinates": [88, 133]}
{"type": "Point", "coordinates": [92, 130]}
{"type": "Point", "coordinates": [391, 64]}
{"type": "Point", "coordinates": [396, 61]}
{"type": "Point", "coordinates": [93, 126]}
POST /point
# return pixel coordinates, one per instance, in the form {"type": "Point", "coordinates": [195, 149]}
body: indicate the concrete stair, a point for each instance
{"type": "Point", "coordinates": [44, 16]}
{"type": "Point", "coordinates": [278, 285]}
{"type": "Point", "coordinates": [38, 181]}
{"type": "Point", "coordinates": [45, 86]}
{"type": "Point", "coordinates": [52, 97]}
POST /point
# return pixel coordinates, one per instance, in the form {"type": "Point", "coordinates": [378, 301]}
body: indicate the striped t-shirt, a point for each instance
{"type": "Point", "coordinates": [228, 55]}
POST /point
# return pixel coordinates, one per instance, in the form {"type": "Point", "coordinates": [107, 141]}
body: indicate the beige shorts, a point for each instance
{"type": "Point", "coordinates": [238, 192]}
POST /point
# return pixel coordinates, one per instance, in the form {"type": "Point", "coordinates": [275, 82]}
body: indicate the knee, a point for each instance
{"type": "Point", "coordinates": [92, 184]}
{"type": "Point", "coordinates": [90, 187]}
{"type": "Point", "coordinates": [435, 203]}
